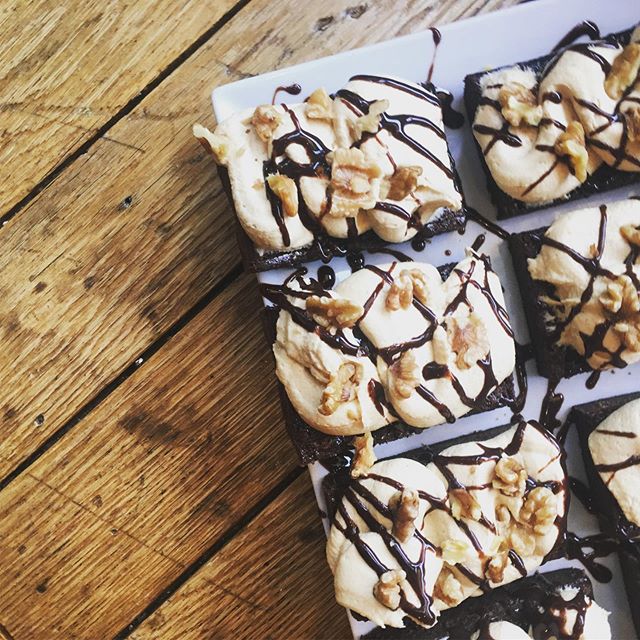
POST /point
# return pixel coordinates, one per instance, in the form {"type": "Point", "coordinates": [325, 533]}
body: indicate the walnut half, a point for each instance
{"type": "Point", "coordinates": [632, 119]}
{"type": "Point", "coordinates": [364, 457]}
{"type": "Point", "coordinates": [334, 312]}
{"type": "Point", "coordinates": [402, 183]}
{"type": "Point", "coordinates": [319, 106]}
{"type": "Point", "coordinates": [571, 145]}
{"type": "Point", "coordinates": [621, 297]}
{"type": "Point", "coordinates": [468, 338]}
{"type": "Point", "coordinates": [341, 388]}
{"type": "Point", "coordinates": [388, 589]}
{"type": "Point", "coordinates": [624, 71]}
{"type": "Point", "coordinates": [510, 477]}
{"type": "Point", "coordinates": [539, 510]}
{"type": "Point", "coordinates": [265, 121]}
{"type": "Point", "coordinates": [285, 189]}
{"type": "Point", "coordinates": [407, 284]}
{"type": "Point", "coordinates": [464, 505]}
{"type": "Point", "coordinates": [406, 374]}
{"type": "Point", "coordinates": [519, 105]}
{"type": "Point", "coordinates": [405, 506]}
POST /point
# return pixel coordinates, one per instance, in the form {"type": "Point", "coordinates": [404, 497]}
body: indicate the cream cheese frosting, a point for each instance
{"type": "Point", "coordinates": [615, 450]}
{"type": "Point", "coordinates": [487, 513]}
{"type": "Point", "coordinates": [433, 349]}
{"type": "Point", "coordinates": [590, 258]}
{"type": "Point", "coordinates": [372, 157]}
{"type": "Point", "coordinates": [543, 134]}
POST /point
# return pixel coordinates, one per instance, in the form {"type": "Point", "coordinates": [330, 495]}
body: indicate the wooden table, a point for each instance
{"type": "Point", "coordinates": [147, 487]}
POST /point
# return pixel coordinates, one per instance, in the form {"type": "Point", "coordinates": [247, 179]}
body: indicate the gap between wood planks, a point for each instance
{"type": "Point", "coordinates": [124, 111]}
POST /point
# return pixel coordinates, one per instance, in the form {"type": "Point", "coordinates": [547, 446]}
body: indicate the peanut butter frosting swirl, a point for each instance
{"type": "Point", "coordinates": [542, 135]}
{"type": "Point", "coordinates": [374, 156]}
{"type": "Point", "coordinates": [410, 540]}
{"type": "Point", "coordinates": [392, 341]}
{"type": "Point", "coordinates": [591, 259]}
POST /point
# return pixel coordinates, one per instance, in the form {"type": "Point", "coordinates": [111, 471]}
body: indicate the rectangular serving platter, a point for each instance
{"type": "Point", "coordinates": [491, 40]}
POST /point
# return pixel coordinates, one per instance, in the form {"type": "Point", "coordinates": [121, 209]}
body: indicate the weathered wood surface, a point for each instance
{"type": "Point", "coordinates": [271, 581]}
{"type": "Point", "coordinates": [69, 67]}
{"type": "Point", "coordinates": [98, 267]}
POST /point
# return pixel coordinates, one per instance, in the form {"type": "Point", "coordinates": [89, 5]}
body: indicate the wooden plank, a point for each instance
{"type": "Point", "coordinates": [67, 68]}
{"type": "Point", "coordinates": [271, 581]}
{"type": "Point", "coordinates": [131, 236]}
{"type": "Point", "coordinates": [178, 454]}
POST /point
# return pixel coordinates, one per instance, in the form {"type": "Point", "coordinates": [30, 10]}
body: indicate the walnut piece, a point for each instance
{"type": "Point", "coordinates": [447, 588]}
{"type": "Point", "coordinates": [510, 477]}
{"type": "Point", "coordinates": [621, 297]}
{"type": "Point", "coordinates": [519, 105]}
{"type": "Point", "coordinates": [265, 120]}
{"type": "Point", "coordinates": [464, 505]}
{"type": "Point", "coordinates": [405, 506]}
{"type": "Point", "coordinates": [406, 374]}
{"type": "Point", "coordinates": [364, 457]}
{"type": "Point", "coordinates": [496, 568]}
{"type": "Point", "coordinates": [539, 510]}
{"type": "Point", "coordinates": [503, 515]}
{"type": "Point", "coordinates": [454, 551]}
{"type": "Point", "coordinates": [632, 119]}
{"type": "Point", "coordinates": [629, 334]}
{"type": "Point", "coordinates": [353, 185]}
{"type": "Point", "coordinates": [468, 338]}
{"type": "Point", "coordinates": [403, 182]}
{"type": "Point", "coordinates": [285, 189]}
{"type": "Point", "coordinates": [319, 106]}
{"type": "Point", "coordinates": [407, 284]}
{"type": "Point", "coordinates": [214, 143]}
{"type": "Point", "coordinates": [571, 145]}
{"type": "Point", "coordinates": [389, 587]}
{"type": "Point", "coordinates": [334, 312]}
{"type": "Point", "coordinates": [624, 71]}
{"type": "Point", "coordinates": [522, 542]}
{"type": "Point", "coordinates": [341, 388]}
{"type": "Point", "coordinates": [631, 234]}
{"type": "Point", "coordinates": [370, 123]}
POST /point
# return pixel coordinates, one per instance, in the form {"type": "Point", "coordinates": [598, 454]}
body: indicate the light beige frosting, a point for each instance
{"type": "Point", "coordinates": [576, 77]}
{"type": "Point", "coordinates": [305, 363]}
{"type": "Point", "coordinates": [450, 532]}
{"type": "Point", "coordinates": [243, 152]}
{"type": "Point", "coordinates": [616, 439]}
{"type": "Point", "coordinates": [580, 230]}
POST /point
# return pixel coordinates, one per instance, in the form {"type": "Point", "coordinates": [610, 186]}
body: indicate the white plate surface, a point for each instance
{"type": "Point", "coordinates": [503, 37]}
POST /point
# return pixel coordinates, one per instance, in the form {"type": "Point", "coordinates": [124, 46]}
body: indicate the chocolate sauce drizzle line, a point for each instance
{"type": "Point", "coordinates": [362, 500]}
{"type": "Point", "coordinates": [619, 153]}
{"type": "Point", "coordinates": [437, 39]}
{"type": "Point", "coordinates": [292, 90]}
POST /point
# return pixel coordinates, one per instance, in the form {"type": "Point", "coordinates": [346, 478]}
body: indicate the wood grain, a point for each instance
{"type": "Point", "coordinates": [173, 460]}
{"type": "Point", "coordinates": [271, 581]}
{"type": "Point", "coordinates": [67, 68]}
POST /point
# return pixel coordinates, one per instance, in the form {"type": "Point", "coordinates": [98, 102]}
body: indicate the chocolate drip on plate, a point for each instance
{"type": "Point", "coordinates": [292, 90]}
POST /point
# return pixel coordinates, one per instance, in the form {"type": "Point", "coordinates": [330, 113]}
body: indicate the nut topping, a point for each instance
{"type": "Point", "coordinates": [468, 338]}
{"type": "Point", "coordinates": [624, 71]}
{"type": "Point", "coordinates": [496, 567]}
{"type": "Point", "coordinates": [571, 145]}
{"type": "Point", "coordinates": [341, 388]}
{"type": "Point", "coordinates": [447, 588]}
{"type": "Point", "coordinates": [629, 334]}
{"type": "Point", "coordinates": [403, 182]}
{"type": "Point", "coordinates": [405, 506]}
{"type": "Point", "coordinates": [408, 283]}
{"type": "Point", "coordinates": [265, 120]}
{"type": "Point", "coordinates": [632, 119]}
{"type": "Point", "coordinates": [631, 234]}
{"type": "Point", "coordinates": [370, 123]}
{"type": "Point", "coordinates": [510, 477]}
{"type": "Point", "coordinates": [464, 505]}
{"type": "Point", "coordinates": [454, 551]}
{"type": "Point", "coordinates": [285, 189]}
{"type": "Point", "coordinates": [334, 312]}
{"type": "Point", "coordinates": [214, 143]}
{"type": "Point", "coordinates": [621, 297]}
{"type": "Point", "coordinates": [389, 587]}
{"type": "Point", "coordinates": [364, 457]}
{"type": "Point", "coordinates": [352, 182]}
{"type": "Point", "coordinates": [319, 106]}
{"type": "Point", "coordinates": [519, 105]}
{"type": "Point", "coordinates": [406, 374]}
{"type": "Point", "coordinates": [539, 510]}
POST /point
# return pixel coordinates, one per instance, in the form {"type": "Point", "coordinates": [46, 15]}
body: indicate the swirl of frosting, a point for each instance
{"type": "Point", "coordinates": [542, 135]}
{"type": "Point", "coordinates": [374, 156]}
{"type": "Point", "coordinates": [484, 514]}
{"type": "Point", "coordinates": [392, 340]}
{"type": "Point", "coordinates": [590, 257]}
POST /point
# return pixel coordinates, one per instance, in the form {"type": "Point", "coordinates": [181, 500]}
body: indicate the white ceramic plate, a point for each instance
{"type": "Point", "coordinates": [503, 37]}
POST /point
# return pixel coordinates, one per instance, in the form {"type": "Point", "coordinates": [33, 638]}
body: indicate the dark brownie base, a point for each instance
{"type": "Point", "coordinates": [325, 248]}
{"type": "Point", "coordinates": [553, 362]}
{"type": "Point", "coordinates": [586, 417]}
{"type": "Point", "coordinates": [604, 179]}
{"type": "Point", "coordinates": [517, 603]}
{"type": "Point", "coordinates": [313, 445]}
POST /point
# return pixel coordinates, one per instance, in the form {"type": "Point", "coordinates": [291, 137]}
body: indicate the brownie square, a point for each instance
{"type": "Point", "coordinates": [553, 361]}
{"type": "Point", "coordinates": [604, 179]}
{"type": "Point", "coordinates": [519, 602]}
{"type": "Point", "coordinates": [586, 417]}
{"type": "Point", "coordinates": [313, 445]}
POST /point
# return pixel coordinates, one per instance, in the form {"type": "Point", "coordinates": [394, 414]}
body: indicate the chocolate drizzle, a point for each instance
{"type": "Point", "coordinates": [292, 90]}
{"type": "Point", "coordinates": [585, 28]}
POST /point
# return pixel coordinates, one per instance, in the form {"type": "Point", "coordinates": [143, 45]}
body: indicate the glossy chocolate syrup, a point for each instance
{"type": "Point", "coordinates": [292, 90]}
{"type": "Point", "coordinates": [585, 28]}
{"type": "Point", "coordinates": [437, 39]}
